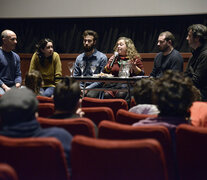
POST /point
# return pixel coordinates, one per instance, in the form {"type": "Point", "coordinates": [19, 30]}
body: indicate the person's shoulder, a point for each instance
{"type": "Point", "coordinates": [57, 132]}
{"type": "Point", "coordinates": [80, 56]}
{"type": "Point", "coordinates": [35, 54]}
{"type": "Point", "coordinates": [101, 54]}
{"type": "Point", "coordinates": [176, 54]}
{"type": "Point", "coordinates": [175, 51]}
{"type": "Point", "coordinates": [159, 54]}
{"type": "Point", "coordinates": [55, 54]}
{"type": "Point", "coordinates": [15, 55]}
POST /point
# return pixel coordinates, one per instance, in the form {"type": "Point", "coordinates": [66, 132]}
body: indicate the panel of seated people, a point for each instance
{"type": "Point", "coordinates": [147, 58]}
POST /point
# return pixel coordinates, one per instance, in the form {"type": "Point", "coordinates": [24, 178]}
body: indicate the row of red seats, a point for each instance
{"type": "Point", "coordinates": [143, 156]}
{"type": "Point", "coordinates": [147, 153]}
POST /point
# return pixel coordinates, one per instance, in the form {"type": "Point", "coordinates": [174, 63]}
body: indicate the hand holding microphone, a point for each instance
{"type": "Point", "coordinates": [116, 54]}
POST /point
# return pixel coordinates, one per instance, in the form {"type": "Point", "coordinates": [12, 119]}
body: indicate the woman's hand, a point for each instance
{"type": "Point", "coordinates": [134, 67]}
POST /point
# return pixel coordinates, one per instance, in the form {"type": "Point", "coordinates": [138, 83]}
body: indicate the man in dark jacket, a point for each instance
{"type": "Point", "coordinates": [18, 119]}
{"type": "Point", "coordinates": [197, 64]}
{"type": "Point", "coordinates": [168, 58]}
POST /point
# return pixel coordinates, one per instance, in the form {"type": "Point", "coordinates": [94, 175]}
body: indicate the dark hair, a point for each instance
{"type": "Point", "coordinates": [173, 94]}
{"type": "Point", "coordinates": [67, 95]}
{"type": "Point", "coordinates": [41, 45]}
{"type": "Point", "coordinates": [33, 81]}
{"type": "Point", "coordinates": [90, 33]}
{"type": "Point", "coordinates": [143, 91]}
{"type": "Point", "coordinates": [199, 30]}
{"type": "Point", "coordinates": [168, 36]}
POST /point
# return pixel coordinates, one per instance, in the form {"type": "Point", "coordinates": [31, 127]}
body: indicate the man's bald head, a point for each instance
{"type": "Point", "coordinates": [9, 40]}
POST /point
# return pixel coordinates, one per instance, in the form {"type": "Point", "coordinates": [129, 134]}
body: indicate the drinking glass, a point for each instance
{"type": "Point", "coordinates": [71, 67]}
{"type": "Point", "coordinates": [82, 66]}
{"type": "Point", "coordinates": [93, 68]}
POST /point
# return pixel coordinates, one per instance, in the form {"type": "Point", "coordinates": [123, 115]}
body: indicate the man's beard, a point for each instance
{"type": "Point", "coordinates": [164, 49]}
{"type": "Point", "coordinates": [89, 49]}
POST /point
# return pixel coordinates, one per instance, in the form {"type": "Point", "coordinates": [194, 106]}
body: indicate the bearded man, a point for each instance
{"type": "Point", "coordinates": [90, 62]}
{"type": "Point", "coordinates": [197, 64]}
{"type": "Point", "coordinates": [168, 57]}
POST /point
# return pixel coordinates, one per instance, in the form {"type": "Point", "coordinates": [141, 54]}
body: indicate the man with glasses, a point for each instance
{"type": "Point", "coordinates": [168, 57]}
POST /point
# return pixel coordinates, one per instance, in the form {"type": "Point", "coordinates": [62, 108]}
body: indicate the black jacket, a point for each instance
{"type": "Point", "coordinates": [197, 69]}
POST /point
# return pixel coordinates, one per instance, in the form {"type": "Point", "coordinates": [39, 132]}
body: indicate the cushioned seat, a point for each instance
{"type": "Point", "coordinates": [35, 158]}
{"type": "Point", "coordinates": [97, 159]}
{"type": "Point", "coordinates": [81, 126]}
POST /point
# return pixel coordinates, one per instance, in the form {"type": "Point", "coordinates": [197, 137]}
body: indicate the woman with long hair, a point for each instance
{"type": "Point", "coordinates": [48, 63]}
{"type": "Point", "coordinates": [124, 53]}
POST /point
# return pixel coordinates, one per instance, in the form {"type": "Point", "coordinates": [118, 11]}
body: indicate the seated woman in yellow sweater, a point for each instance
{"type": "Point", "coordinates": [48, 63]}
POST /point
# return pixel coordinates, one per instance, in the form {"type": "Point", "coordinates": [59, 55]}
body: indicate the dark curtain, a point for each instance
{"type": "Point", "coordinates": [67, 33]}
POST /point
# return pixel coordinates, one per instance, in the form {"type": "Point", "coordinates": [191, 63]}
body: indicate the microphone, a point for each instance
{"type": "Point", "coordinates": [116, 54]}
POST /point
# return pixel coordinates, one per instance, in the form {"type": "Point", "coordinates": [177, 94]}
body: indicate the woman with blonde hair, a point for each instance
{"type": "Point", "coordinates": [124, 53]}
{"type": "Point", "coordinates": [125, 50]}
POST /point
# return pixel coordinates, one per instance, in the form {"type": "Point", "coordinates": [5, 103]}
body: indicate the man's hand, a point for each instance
{"type": "Point", "coordinates": [80, 112]}
{"type": "Point", "coordinates": [18, 85]}
{"type": "Point", "coordinates": [5, 87]}
{"type": "Point", "coordinates": [85, 92]}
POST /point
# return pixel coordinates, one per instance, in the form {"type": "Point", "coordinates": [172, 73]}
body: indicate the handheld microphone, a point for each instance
{"type": "Point", "coordinates": [116, 54]}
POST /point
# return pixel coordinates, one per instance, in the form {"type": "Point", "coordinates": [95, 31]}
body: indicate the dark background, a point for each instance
{"type": "Point", "coordinates": [67, 33]}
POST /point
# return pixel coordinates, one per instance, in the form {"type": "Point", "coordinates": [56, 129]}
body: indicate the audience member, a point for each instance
{"type": "Point", "coordinates": [48, 63]}
{"type": "Point", "coordinates": [197, 64]}
{"type": "Point", "coordinates": [126, 52]}
{"type": "Point", "coordinates": [90, 57]}
{"type": "Point", "coordinates": [142, 92]}
{"type": "Point", "coordinates": [10, 72]}
{"type": "Point", "coordinates": [173, 95]}
{"type": "Point", "coordinates": [66, 99]}
{"type": "Point", "coordinates": [168, 58]}
{"type": "Point", "coordinates": [18, 109]}
{"type": "Point", "coordinates": [33, 81]}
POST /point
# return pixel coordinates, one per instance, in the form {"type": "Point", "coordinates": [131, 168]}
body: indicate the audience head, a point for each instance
{"type": "Point", "coordinates": [89, 40]}
{"type": "Point", "coordinates": [9, 40]}
{"type": "Point", "coordinates": [17, 106]}
{"type": "Point", "coordinates": [173, 94]}
{"type": "Point", "coordinates": [34, 81]}
{"type": "Point", "coordinates": [197, 35]}
{"type": "Point", "coordinates": [125, 47]}
{"type": "Point", "coordinates": [143, 91]}
{"type": "Point", "coordinates": [67, 95]}
{"type": "Point", "coordinates": [166, 40]}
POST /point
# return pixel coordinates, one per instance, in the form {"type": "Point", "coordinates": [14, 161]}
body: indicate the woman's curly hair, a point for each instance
{"type": "Point", "coordinates": [131, 51]}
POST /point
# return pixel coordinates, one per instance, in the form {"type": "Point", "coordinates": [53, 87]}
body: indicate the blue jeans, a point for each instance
{"type": "Point", "coordinates": [47, 91]}
{"type": "Point", "coordinates": [2, 91]}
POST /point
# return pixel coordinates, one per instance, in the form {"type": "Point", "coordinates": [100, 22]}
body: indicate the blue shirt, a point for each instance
{"type": "Point", "coordinates": [10, 72]}
{"type": "Point", "coordinates": [97, 58]}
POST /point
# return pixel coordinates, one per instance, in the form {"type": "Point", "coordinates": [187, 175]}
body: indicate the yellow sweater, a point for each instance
{"type": "Point", "coordinates": [49, 71]}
